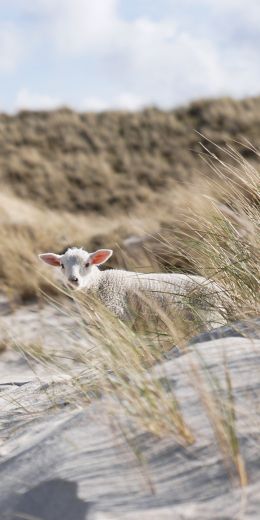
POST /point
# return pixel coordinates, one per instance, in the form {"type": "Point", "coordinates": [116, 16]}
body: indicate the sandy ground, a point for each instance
{"type": "Point", "coordinates": [61, 459]}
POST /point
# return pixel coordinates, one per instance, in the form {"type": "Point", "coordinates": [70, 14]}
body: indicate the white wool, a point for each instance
{"type": "Point", "coordinates": [117, 289]}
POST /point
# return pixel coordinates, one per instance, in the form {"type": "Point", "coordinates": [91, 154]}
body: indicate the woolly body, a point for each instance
{"type": "Point", "coordinates": [119, 290]}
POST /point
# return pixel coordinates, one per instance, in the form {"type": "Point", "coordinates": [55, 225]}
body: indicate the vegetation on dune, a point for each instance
{"type": "Point", "coordinates": [97, 180]}
{"type": "Point", "coordinates": [121, 363]}
{"type": "Point", "coordinates": [169, 198]}
{"type": "Point", "coordinates": [95, 162]}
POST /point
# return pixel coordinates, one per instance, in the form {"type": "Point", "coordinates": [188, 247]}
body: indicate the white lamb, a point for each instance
{"type": "Point", "coordinates": [118, 289]}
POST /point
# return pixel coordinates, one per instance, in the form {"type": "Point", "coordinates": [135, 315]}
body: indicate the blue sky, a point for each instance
{"type": "Point", "coordinates": [126, 54]}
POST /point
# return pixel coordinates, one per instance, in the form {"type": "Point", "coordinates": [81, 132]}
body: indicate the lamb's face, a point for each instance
{"type": "Point", "coordinates": [77, 265]}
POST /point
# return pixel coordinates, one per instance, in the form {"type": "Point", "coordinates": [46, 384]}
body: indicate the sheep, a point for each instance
{"type": "Point", "coordinates": [117, 289]}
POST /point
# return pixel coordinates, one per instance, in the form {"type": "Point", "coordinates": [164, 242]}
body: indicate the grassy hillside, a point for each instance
{"type": "Point", "coordinates": [98, 162]}
{"type": "Point", "coordinates": [97, 179]}
{"type": "Point", "coordinates": [175, 191]}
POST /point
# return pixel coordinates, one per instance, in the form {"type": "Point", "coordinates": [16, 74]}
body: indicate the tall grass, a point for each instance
{"type": "Point", "coordinates": [219, 239]}
{"type": "Point", "coordinates": [222, 245]}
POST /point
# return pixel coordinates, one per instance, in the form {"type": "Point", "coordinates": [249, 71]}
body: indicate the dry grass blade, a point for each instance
{"type": "Point", "coordinates": [217, 237]}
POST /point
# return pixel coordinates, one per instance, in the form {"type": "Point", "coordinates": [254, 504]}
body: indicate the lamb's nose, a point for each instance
{"type": "Point", "coordinates": [74, 279]}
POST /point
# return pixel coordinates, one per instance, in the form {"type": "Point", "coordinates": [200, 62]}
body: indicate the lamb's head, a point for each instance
{"type": "Point", "coordinates": [79, 267]}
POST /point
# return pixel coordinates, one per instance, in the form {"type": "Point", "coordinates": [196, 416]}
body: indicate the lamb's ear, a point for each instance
{"type": "Point", "coordinates": [51, 259]}
{"type": "Point", "coordinates": [100, 256]}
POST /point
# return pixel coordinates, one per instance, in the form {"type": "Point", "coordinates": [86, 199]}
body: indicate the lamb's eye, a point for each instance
{"type": "Point", "coordinates": [87, 264]}
{"type": "Point", "coordinates": [62, 266]}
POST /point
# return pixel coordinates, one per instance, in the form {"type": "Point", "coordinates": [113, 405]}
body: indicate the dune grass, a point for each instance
{"type": "Point", "coordinates": [223, 245]}
{"type": "Point", "coordinates": [206, 225]}
{"type": "Point", "coordinates": [216, 236]}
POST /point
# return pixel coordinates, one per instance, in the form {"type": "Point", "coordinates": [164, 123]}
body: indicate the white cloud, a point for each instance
{"type": "Point", "coordinates": [143, 61]}
{"type": "Point", "coordinates": [94, 104]}
{"type": "Point", "coordinates": [128, 101]}
{"type": "Point", "coordinates": [85, 25]}
{"type": "Point", "coordinates": [166, 64]}
{"type": "Point", "coordinates": [125, 101]}
{"type": "Point", "coordinates": [10, 48]}
{"type": "Point", "coordinates": [76, 26]}
{"type": "Point", "coordinates": [157, 61]}
{"type": "Point", "coordinates": [27, 100]}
